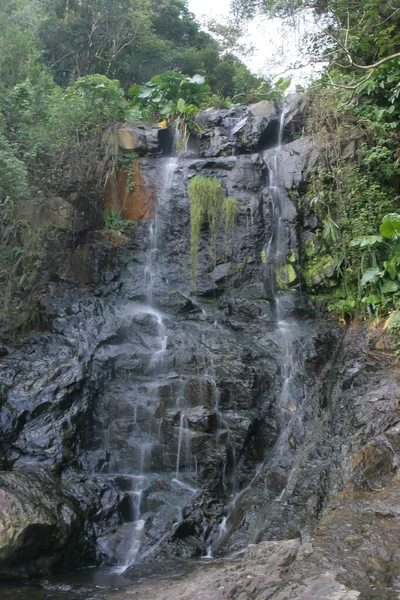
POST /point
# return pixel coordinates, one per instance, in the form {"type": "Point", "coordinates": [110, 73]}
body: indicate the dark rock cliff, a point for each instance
{"type": "Point", "coordinates": [227, 455]}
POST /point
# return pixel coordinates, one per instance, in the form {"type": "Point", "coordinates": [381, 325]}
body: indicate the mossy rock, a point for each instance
{"type": "Point", "coordinates": [309, 249]}
{"type": "Point", "coordinates": [319, 270]}
{"type": "Point", "coordinates": [285, 276]}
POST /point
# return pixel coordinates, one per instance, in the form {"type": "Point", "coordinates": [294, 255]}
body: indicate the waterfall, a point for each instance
{"type": "Point", "coordinates": [277, 252]}
{"type": "Point", "coordinates": [287, 334]}
{"type": "Point", "coordinates": [184, 431]}
{"type": "Point", "coordinates": [152, 271]}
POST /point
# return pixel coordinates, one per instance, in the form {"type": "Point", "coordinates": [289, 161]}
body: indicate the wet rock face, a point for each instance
{"type": "Point", "coordinates": [131, 191]}
{"type": "Point", "coordinates": [238, 130]}
{"type": "Point", "coordinates": [192, 424]}
{"type": "Point", "coordinates": [359, 524]}
{"type": "Point", "coordinates": [168, 411]}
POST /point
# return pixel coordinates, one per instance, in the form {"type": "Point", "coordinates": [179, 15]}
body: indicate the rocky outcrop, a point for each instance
{"type": "Point", "coordinates": [141, 138]}
{"type": "Point", "coordinates": [52, 212]}
{"type": "Point", "coordinates": [231, 417]}
{"type": "Point", "coordinates": [132, 191]}
{"type": "Point", "coordinates": [37, 523]}
{"type": "Point", "coordinates": [238, 130]}
{"type": "Point", "coordinates": [271, 570]}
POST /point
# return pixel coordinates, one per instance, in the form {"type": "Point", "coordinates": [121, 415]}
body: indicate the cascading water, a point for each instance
{"type": "Point", "coordinates": [181, 413]}
{"type": "Point", "coordinates": [288, 403]}
{"type": "Point", "coordinates": [156, 369]}
{"type": "Point", "coordinates": [277, 256]}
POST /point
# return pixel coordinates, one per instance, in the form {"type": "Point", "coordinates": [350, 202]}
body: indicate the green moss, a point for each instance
{"type": "Point", "coordinates": [242, 264]}
{"type": "Point", "coordinates": [230, 209]}
{"type": "Point", "coordinates": [206, 196]}
{"type": "Point", "coordinates": [285, 275]}
{"type": "Point", "coordinates": [319, 270]}
{"type": "Point", "coordinates": [309, 249]}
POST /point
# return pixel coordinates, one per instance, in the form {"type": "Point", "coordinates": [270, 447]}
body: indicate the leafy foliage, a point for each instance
{"type": "Point", "coordinates": [113, 220]}
{"type": "Point", "coordinates": [169, 92]}
{"type": "Point", "coordinates": [173, 96]}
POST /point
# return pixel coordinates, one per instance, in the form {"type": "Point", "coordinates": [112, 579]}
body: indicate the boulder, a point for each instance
{"type": "Point", "coordinates": [264, 109]}
{"type": "Point", "coordinates": [37, 524]}
{"type": "Point", "coordinates": [138, 137]}
{"type": "Point", "coordinates": [238, 130]}
{"type": "Point", "coordinates": [296, 160]}
{"type": "Point", "coordinates": [54, 212]}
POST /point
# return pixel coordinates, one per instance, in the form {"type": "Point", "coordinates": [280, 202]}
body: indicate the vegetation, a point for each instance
{"type": "Point", "coordinates": [353, 112]}
{"type": "Point", "coordinates": [205, 195]}
{"type": "Point", "coordinates": [174, 97]}
{"type": "Point", "coordinates": [67, 67]}
{"type": "Point", "coordinates": [352, 193]}
{"type": "Point", "coordinates": [207, 205]}
{"type": "Point", "coordinates": [114, 220]}
{"type": "Point", "coordinates": [230, 209]}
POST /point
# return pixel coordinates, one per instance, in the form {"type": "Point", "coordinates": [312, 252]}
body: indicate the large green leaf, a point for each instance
{"type": "Point", "coordinates": [367, 241]}
{"type": "Point", "coordinates": [181, 105]}
{"type": "Point", "coordinates": [375, 300]}
{"type": "Point", "coordinates": [146, 92]}
{"type": "Point", "coordinates": [390, 225]}
{"type": "Point", "coordinates": [389, 287]}
{"type": "Point", "coordinates": [370, 275]}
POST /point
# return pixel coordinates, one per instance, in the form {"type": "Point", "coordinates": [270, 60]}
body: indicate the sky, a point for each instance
{"type": "Point", "coordinates": [276, 45]}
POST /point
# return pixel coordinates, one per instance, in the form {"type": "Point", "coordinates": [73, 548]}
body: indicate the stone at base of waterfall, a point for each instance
{"type": "Point", "coordinates": [278, 570]}
{"type": "Point", "coordinates": [37, 524]}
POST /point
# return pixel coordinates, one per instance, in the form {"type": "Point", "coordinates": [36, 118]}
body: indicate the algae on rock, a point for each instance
{"type": "Point", "coordinates": [207, 205]}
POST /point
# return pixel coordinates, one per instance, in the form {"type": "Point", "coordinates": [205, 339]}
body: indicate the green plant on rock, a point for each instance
{"type": "Point", "coordinates": [393, 326]}
{"type": "Point", "coordinates": [379, 274]}
{"type": "Point", "coordinates": [286, 274]}
{"type": "Point", "coordinates": [185, 123]}
{"type": "Point", "coordinates": [346, 307]}
{"type": "Point", "coordinates": [127, 163]}
{"type": "Point", "coordinates": [164, 92]}
{"type": "Point", "coordinates": [206, 197]}
{"type": "Point", "coordinates": [174, 97]}
{"type": "Point", "coordinates": [114, 220]}
{"type": "Point", "coordinates": [230, 209]}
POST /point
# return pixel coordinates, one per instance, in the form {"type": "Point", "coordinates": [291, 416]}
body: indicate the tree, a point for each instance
{"type": "Point", "coordinates": [82, 38]}
{"type": "Point", "coordinates": [352, 36]}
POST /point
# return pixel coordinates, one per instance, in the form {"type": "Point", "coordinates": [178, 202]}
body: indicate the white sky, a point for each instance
{"type": "Point", "coordinates": [276, 46]}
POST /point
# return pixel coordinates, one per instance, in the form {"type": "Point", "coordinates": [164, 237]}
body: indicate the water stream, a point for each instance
{"type": "Point", "coordinates": [277, 254]}
{"type": "Point", "coordinates": [156, 370]}
{"type": "Point", "coordinates": [288, 334]}
{"type": "Point", "coordinates": [172, 438]}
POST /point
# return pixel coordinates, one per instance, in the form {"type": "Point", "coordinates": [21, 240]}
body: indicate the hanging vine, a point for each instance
{"type": "Point", "coordinates": [207, 204]}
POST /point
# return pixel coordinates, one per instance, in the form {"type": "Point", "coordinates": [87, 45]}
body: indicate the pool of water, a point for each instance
{"type": "Point", "coordinates": [94, 584]}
